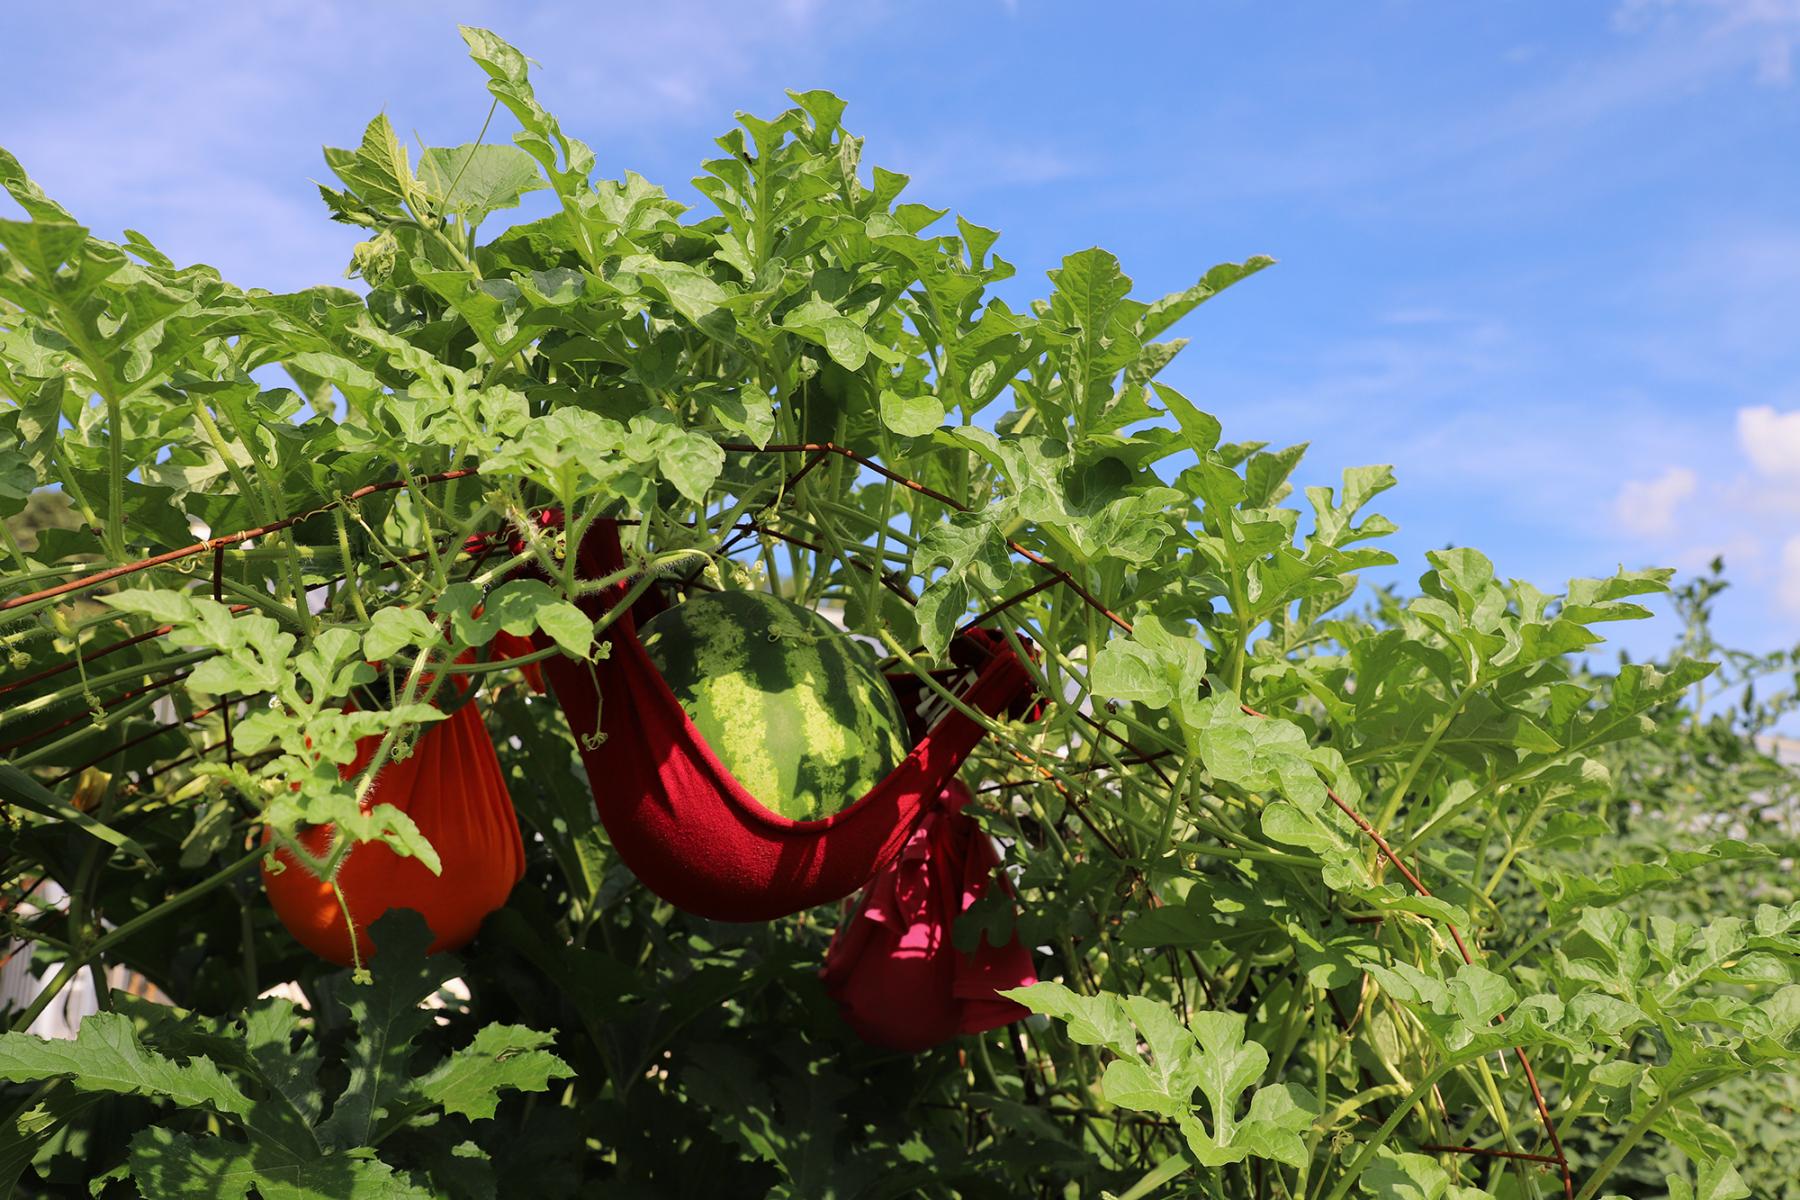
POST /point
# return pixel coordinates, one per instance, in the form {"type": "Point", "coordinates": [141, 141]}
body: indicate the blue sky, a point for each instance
{"type": "Point", "coordinates": [1542, 257]}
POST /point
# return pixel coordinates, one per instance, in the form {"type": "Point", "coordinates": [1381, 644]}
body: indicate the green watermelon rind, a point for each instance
{"type": "Point", "coordinates": [788, 703]}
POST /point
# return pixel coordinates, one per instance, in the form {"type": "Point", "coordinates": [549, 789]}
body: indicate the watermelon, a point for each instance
{"type": "Point", "coordinates": [791, 706]}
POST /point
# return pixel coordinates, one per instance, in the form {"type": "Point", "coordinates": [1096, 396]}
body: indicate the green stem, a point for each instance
{"type": "Point", "coordinates": [72, 489]}
{"type": "Point", "coordinates": [1632, 1137]}
{"type": "Point", "coordinates": [74, 963]}
{"type": "Point", "coordinates": [350, 572]}
{"type": "Point", "coordinates": [17, 551]}
{"type": "Point", "coordinates": [247, 934]}
{"type": "Point", "coordinates": [491, 667]}
{"type": "Point", "coordinates": [62, 695]}
{"type": "Point", "coordinates": [1418, 759]}
{"type": "Point", "coordinates": [1491, 1089]}
{"type": "Point", "coordinates": [1160, 1174]}
{"type": "Point", "coordinates": [356, 962]}
{"type": "Point", "coordinates": [75, 330]}
{"type": "Point", "coordinates": [1235, 853]}
{"type": "Point", "coordinates": [1419, 1092]}
{"type": "Point", "coordinates": [257, 500]}
{"type": "Point", "coordinates": [114, 719]}
{"type": "Point", "coordinates": [1176, 794]}
{"type": "Point", "coordinates": [1514, 843]}
{"type": "Point", "coordinates": [115, 480]}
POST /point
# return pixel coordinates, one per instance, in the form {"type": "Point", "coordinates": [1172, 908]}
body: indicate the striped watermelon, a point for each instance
{"type": "Point", "coordinates": [792, 707]}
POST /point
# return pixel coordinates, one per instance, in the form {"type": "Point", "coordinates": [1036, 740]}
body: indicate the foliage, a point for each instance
{"type": "Point", "coordinates": [1247, 995]}
{"type": "Point", "coordinates": [262, 1077]}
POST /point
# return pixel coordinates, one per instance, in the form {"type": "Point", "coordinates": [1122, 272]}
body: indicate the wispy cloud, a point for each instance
{"type": "Point", "coordinates": [1714, 312]}
{"type": "Point", "coordinates": [174, 150]}
{"type": "Point", "coordinates": [208, 123]}
{"type": "Point", "coordinates": [633, 68]}
{"type": "Point", "coordinates": [965, 164]}
{"type": "Point", "coordinates": [1744, 555]}
{"type": "Point", "coordinates": [1647, 507]}
{"type": "Point", "coordinates": [1769, 29]}
{"type": "Point", "coordinates": [1496, 147]}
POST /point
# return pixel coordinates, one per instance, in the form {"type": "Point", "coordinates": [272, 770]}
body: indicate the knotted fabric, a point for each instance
{"type": "Point", "coordinates": [897, 977]}
{"type": "Point", "coordinates": [688, 830]}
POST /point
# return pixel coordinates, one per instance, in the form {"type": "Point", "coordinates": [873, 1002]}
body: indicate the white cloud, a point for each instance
{"type": "Point", "coordinates": [1789, 584]}
{"type": "Point", "coordinates": [1647, 507]}
{"type": "Point", "coordinates": [1770, 440]}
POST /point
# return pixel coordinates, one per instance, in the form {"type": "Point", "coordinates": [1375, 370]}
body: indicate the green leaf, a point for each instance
{"type": "Point", "coordinates": [43, 245]}
{"type": "Point", "coordinates": [1091, 1020]}
{"type": "Point", "coordinates": [1166, 1083]}
{"type": "Point", "coordinates": [18, 478]}
{"type": "Point", "coordinates": [1278, 1115]}
{"type": "Point", "coordinates": [160, 605]}
{"type": "Point", "coordinates": [1266, 476]}
{"type": "Point", "coordinates": [1719, 1180]}
{"type": "Point", "coordinates": [1405, 1176]}
{"type": "Point", "coordinates": [28, 1129]}
{"type": "Point", "coordinates": [692, 293]}
{"type": "Point", "coordinates": [106, 1056]}
{"type": "Point", "coordinates": [1162, 314]}
{"type": "Point", "coordinates": [1199, 430]}
{"type": "Point", "coordinates": [971, 550]}
{"type": "Point", "coordinates": [389, 1017]}
{"type": "Point", "coordinates": [1311, 830]}
{"type": "Point", "coordinates": [1128, 670]}
{"type": "Point", "coordinates": [29, 195]}
{"type": "Point", "coordinates": [691, 462]}
{"type": "Point", "coordinates": [376, 172]}
{"type": "Point", "coordinates": [1228, 1065]}
{"type": "Point", "coordinates": [167, 1163]}
{"type": "Point", "coordinates": [940, 610]}
{"type": "Point", "coordinates": [393, 629]}
{"type": "Point", "coordinates": [844, 341]}
{"type": "Point", "coordinates": [1459, 1012]}
{"type": "Point", "coordinates": [1089, 289]}
{"type": "Point", "coordinates": [568, 627]}
{"type": "Point", "coordinates": [477, 180]}
{"type": "Point", "coordinates": [1567, 892]}
{"type": "Point", "coordinates": [290, 1072]}
{"type": "Point", "coordinates": [911, 416]}
{"type": "Point", "coordinates": [520, 607]}
{"type": "Point", "coordinates": [565, 161]}
{"type": "Point", "coordinates": [501, 1058]}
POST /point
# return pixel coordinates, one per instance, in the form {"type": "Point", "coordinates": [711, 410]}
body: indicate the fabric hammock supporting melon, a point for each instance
{"type": "Point", "coordinates": [689, 831]}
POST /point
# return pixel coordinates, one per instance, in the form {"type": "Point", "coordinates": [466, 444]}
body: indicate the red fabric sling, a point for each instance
{"type": "Point", "coordinates": [452, 786]}
{"type": "Point", "coordinates": [896, 975]}
{"type": "Point", "coordinates": [688, 830]}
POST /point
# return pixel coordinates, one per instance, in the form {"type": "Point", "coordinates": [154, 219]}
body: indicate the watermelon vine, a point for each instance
{"type": "Point", "coordinates": [1329, 891]}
